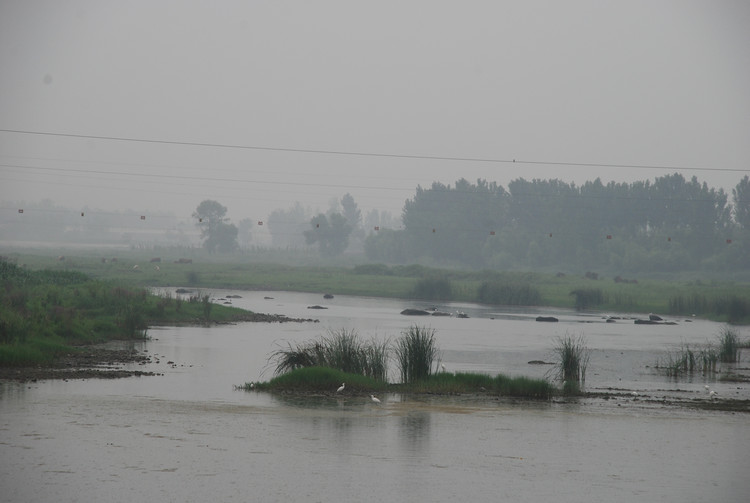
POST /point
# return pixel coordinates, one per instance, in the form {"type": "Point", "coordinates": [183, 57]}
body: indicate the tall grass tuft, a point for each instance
{"type": "Point", "coordinates": [573, 358]}
{"type": "Point", "coordinates": [729, 345]}
{"type": "Point", "coordinates": [687, 360]}
{"type": "Point", "coordinates": [340, 349]}
{"type": "Point", "coordinates": [416, 351]}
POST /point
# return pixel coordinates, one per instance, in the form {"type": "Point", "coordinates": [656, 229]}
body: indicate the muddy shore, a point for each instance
{"type": "Point", "coordinates": [87, 362]}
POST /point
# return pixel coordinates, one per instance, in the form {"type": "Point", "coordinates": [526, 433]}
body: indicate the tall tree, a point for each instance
{"type": "Point", "coordinates": [741, 196]}
{"type": "Point", "coordinates": [330, 233]}
{"type": "Point", "coordinates": [216, 231]}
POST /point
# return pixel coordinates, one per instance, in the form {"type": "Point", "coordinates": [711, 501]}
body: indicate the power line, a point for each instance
{"type": "Point", "coordinates": [366, 154]}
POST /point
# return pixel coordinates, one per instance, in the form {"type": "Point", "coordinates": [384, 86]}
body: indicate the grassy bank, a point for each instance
{"type": "Point", "coordinates": [325, 380]}
{"type": "Point", "coordinates": [718, 300]}
{"type": "Point", "coordinates": [47, 312]}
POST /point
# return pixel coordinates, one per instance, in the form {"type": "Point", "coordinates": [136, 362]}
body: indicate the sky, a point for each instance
{"type": "Point", "coordinates": [158, 105]}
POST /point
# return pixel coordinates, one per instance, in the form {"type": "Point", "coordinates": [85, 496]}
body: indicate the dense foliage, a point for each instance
{"type": "Point", "coordinates": [670, 224]}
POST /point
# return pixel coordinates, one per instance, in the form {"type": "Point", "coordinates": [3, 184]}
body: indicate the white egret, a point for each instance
{"type": "Point", "coordinates": [374, 399]}
{"type": "Point", "coordinates": [341, 388]}
{"type": "Point", "coordinates": [442, 366]}
{"type": "Point", "coordinates": [713, 394]}
{"type": "Point", "coordinates": [707, 388]}
{"type": "Point", "coordinates": [634, 393]}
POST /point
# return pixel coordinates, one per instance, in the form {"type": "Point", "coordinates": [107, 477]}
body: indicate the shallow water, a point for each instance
{"type": "Point", "coordinates": [189, 436]}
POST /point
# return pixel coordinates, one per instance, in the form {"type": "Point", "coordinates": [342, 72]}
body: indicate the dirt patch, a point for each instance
{"type": "Point", "coordinates": [89, 362]}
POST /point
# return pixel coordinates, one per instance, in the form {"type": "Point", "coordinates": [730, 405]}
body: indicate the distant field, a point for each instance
{"type": "Point", "coordinates": [718, 300]}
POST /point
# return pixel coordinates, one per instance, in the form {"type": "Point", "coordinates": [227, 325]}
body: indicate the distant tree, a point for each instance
{"type": "Point", "coordinates": [350, 211]}
{"type": "Point", "coordinates": [331, 234]}
{"type": "Point", "coordinates": [245, 231]}
{"type": "Point", "coordinates": [741, 196]}
{"type": "Point", "coordinates": [287, 227]}
{"type": "Point", "coordinates": [216, 231]}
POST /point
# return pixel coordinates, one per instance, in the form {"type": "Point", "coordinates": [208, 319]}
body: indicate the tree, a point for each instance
{"type": "Point", "coordinates": [350, 210]}
{"type": "Point", "coordinates": [216, 231]}
{"type": "Point", "coordinates": [330, 233]}
{"type": "Point", "coordinates": [245, 231]}
{"type": "Point", "coordinates": [287, 227]}
{"type": "Point", "coordinates": [741, 196]}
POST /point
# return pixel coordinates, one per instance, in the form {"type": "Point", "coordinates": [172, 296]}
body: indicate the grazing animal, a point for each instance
{"type": "Point", "coordinates": [341, 388]}
{"type": "Point", "coordinates": [374, 399]}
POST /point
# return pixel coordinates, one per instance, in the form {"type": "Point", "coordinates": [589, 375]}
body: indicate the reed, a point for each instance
{"type": "Point", "coordinates": [573, 358]}
{"type": "Point", "coordinates": [341, 350]}
{"type": "Point", "coordinates": [687, 360]}
{"type": "Point", "coordinates": [729, 346]}
{"type": "Point", "coordinates": [416, 351]}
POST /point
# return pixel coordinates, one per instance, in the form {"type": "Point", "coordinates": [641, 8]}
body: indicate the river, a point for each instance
{"type": "Point", "coordinates": [189, 435]}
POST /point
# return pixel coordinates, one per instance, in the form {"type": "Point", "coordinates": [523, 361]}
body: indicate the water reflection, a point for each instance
{"type": "Point", "coordinates": [414, 433]}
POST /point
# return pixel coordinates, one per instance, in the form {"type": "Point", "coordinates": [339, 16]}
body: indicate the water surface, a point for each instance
{"type": "Point", "coordinates": [190, 436]}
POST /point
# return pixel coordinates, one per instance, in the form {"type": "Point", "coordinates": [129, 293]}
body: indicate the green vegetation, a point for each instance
{"type": "Point", "coordinates": [416, 351]}
{"type": "Point", "coordinates": [44, 313]}
{"type": "Point", "coordinates": [340, 357]}
{"type": "Point", "coordinates": [729, 346]}
{"type": "Point", "coordinates": [318, 379]}
{"type": "Point", "coordinates": [341, 350]}
{"type": "Point", "coordinates": [327, 380]}
{"type": "Point", "coordinates": [573, 358]}
{"type": "Point", "coordinates": [686, 360]}
{"type": "Point", "coordinates": [720, 301]}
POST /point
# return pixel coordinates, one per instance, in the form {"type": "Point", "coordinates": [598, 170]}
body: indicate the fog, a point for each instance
{"type": "Point", "coordinates": [156, 106]}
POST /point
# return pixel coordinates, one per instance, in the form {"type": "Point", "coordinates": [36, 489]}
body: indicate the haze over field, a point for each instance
{"type": "Point", "coordinates": [157, 106]}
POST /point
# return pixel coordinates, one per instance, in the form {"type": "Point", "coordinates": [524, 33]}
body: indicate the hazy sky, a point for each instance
{"type": "Point", "coordinates": [265, 86]}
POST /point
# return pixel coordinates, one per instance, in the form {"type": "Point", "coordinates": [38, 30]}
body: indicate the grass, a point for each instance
{"type": "Point", "coordinates": [687, 360]}
{"type": "Point", "coordinates": [727, 301]}
{"type": "Point", "coordinates": [729, 346]}
{"type": "Point", "coordinates": [573, 358]}
{"type": "Point", "coordinates": [46, 312]}
{"type": "Point", "coordinates": [705, 359]}
{"type": "Point", "coordinates": [416, 351]}
{"type": "Point", "coordinates": [342, 350]}
{"type": "Point", "coordinates": [327, 380]}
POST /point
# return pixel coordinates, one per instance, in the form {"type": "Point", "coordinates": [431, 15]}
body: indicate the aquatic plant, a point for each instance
{"type": "Point", "coordinates": [341, 349]}
{"type": "Point", "coordinates": [319, 379]}
{"type": "Point", "coordinates": [729, 345]}
{"type": "Point", "coordinates": [573, 358]}
{"type": "Point", "coordinates": [687, 360]}
{"type": "Point", "coordinates": [416, 351]}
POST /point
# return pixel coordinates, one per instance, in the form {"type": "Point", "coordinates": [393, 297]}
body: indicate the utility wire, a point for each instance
{"type": "Point", "coordinates": [365, 154]}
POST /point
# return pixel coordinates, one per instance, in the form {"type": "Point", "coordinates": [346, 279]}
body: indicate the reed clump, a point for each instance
{"type": "Point", "coordinates": [573, 359]}
{"type": "Point", "coordinates": [341, 349]}
{"type": "Point", "coordinates": [729, 345]}
{"type": "Point", "coordinates": [687, 360]}
{"type": "Point", "coordinates": [416, 351]}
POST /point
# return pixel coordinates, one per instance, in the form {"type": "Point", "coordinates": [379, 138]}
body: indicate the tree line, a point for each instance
{"type": "Point", "coordinates": [669, 224]}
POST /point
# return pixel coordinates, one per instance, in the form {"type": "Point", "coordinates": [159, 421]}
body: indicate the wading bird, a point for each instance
{"type": "Point", "coordinates": [374, 399]}
{"type": "Point", "coordinates": [341, 388]}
